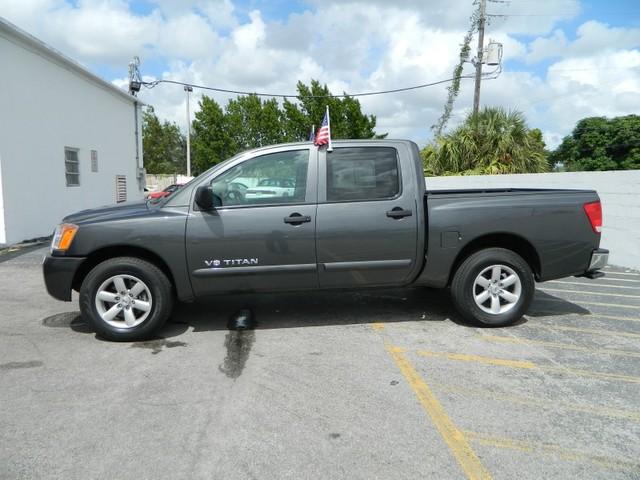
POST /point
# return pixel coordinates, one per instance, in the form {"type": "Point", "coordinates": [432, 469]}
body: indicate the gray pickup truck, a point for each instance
{"type": "Point", "coordinates": [295, 217]}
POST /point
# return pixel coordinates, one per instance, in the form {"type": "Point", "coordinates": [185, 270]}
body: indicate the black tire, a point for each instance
{"type": "Point", "coordinates": [158, 287]}
{"type": "Point", "coordinates": [463, 288]}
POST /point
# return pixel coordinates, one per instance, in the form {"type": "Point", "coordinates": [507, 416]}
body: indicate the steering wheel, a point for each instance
{"type": "Point", "coordinates": [234, 196]}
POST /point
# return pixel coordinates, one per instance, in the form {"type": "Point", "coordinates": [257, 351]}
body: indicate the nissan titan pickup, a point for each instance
{"type": "Point", "coordinates": [296, 217]}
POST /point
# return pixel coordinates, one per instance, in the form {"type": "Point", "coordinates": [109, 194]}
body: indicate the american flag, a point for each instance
{"type": "Point", "coordinates": [323, 135]}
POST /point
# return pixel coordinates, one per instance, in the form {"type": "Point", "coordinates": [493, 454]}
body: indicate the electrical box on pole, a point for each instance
{"type": "Point", "coordinates": [493, 55]}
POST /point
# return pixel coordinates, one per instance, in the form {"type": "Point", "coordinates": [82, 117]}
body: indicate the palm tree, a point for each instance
{"type": "Point", "coordinates": [492, 141]}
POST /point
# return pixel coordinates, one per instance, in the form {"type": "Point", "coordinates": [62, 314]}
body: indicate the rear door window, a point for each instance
{"type": "Point", "coordinates": [362, 173]}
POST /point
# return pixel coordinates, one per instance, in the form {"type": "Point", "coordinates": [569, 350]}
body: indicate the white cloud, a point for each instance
{"type": "Point", "coordinates": [592, 37]}
{"type": "Point", "coordinates": [188, 36]}
{"type": "Point", "coordinates": [355, 46]}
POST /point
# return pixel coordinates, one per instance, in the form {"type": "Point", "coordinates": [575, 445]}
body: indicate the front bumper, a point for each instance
{"type": "Point", "coordinates": [58, 275]}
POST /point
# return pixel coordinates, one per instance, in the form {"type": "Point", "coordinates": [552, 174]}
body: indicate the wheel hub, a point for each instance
{"type": "Point", "coordinates": [497, 289]}
{"type": "Point", "coordinates": [123, 301]}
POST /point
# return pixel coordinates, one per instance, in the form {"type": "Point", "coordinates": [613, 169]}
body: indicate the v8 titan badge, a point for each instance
{"type": "Point", "coordinates": [231, 262]}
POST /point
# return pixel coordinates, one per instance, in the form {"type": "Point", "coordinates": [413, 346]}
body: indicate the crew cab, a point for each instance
{"type": "Point", "coordinates": [358, 216]}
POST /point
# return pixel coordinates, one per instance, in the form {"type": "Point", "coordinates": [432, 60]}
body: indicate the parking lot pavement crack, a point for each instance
{"type": "Point", "coordinates": [21, 365]}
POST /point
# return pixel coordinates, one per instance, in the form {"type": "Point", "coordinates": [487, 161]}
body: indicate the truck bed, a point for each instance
{"type": "Point", "coordinates": [549, 224]}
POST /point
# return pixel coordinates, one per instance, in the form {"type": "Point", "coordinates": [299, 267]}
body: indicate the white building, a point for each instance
{"type": "Point", "coordinates": [68, 139]}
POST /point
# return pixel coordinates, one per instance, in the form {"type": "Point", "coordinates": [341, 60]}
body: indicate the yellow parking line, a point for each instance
{"type": "Point", "coordinates": [571, 455]}
{"type": "Point", "coordinates": [377, 326]}
{"type": "Point", "coordinates": [597, 304]}
{"type": "Point", "coordinates": [585, 292]}
{"type": "Point", "coordinates": [562, 346]}
{"type": "Point", "coordinates": [585, 284]}
{"type": "Point", "coordinates": [463, 357]}
{"type": "Point", "coordinates": [591, 331]}
{"type": "Point", "coordinates": [530, 366]}
{"type": "Point", "coordinates": [591, 374]}
{"type": "Point", "coordinates": [537, 402]}
{"type": "Point", "coordinates": [452, 436]}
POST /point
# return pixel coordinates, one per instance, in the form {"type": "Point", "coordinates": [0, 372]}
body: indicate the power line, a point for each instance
{"type": "Point", "coordinates": [557, 14]}
{"type": "Point", "coordinates": [489, 76]}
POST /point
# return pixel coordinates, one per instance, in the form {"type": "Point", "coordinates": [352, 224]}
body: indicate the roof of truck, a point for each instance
{"type": "Point", "coordinates": [337, 142]}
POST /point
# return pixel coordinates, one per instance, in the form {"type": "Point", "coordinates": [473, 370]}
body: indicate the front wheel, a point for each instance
{"type": "Point", "coordinates": [126, 298]}
{"type": "Point", "coordinates": [493, 287]}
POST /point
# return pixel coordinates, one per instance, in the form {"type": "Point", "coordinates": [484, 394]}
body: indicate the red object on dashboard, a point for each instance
{"type": "Point", "coordinates": [167, 191]}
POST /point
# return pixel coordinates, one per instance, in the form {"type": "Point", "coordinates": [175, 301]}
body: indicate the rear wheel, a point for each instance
{"type": "Point", "coordinates": [126, 298]}
{"type": "Point", "coordinates": [493, 287]}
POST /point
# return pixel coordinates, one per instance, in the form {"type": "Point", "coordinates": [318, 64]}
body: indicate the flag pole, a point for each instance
{"type": "Point", "coordinates": [329, 146]}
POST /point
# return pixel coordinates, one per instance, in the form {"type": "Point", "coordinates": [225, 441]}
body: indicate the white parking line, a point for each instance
{"type": "Point", "coordinates": [612, 279]}
{"type": "Point", "coordinates": [584, 292]}
{"type": "Point", "coordinates": [604, 285]}
{"type": "Point", "coordinates": [590, 316]}
{"type": "Point", "coordinates": [582, 302]}
{"type": "Point", "coordinates": [590, 331]}
{"type": "Point", "coordinates": [631, 274]}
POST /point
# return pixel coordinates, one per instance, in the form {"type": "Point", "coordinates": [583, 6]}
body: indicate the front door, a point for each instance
{"type": "Point", "coordinates": [367, 227]}
{"type": "Point", "coordinates": [263, 236]}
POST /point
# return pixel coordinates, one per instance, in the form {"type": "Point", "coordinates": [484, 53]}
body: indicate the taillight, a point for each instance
{"type": "Point", "coordinates": [594, 214]}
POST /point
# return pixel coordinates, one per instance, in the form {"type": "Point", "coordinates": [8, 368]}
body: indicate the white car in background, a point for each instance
{"type": "Point", "coordinates": [271, 188]}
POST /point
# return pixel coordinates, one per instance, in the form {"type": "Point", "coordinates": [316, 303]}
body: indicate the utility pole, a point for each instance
{"type": "Point", "coordinates": [188, 89]}
{"type": "Point", "coordinates": [478, 61]}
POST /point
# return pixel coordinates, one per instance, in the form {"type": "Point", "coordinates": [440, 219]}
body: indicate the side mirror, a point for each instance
{"type": "Point", "coordinates": [206, 199]}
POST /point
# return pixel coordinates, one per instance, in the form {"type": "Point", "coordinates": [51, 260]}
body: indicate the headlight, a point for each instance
{"type": "Point", "coordinates": [63, 236]}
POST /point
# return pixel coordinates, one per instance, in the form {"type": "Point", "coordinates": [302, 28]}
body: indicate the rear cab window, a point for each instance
{"type": "Point", "coordinates": [362, 173]}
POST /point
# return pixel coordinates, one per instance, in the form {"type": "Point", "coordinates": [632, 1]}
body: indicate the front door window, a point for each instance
{"type": "Point", "coordinates": [272, 179]}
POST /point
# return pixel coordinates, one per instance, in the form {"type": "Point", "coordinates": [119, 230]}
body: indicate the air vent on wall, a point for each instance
{"type": "Point", "coordinates": [121, 188]}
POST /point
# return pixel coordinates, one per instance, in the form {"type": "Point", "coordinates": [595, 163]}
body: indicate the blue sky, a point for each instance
{"type": "Point", "coordinates": [563, 59]}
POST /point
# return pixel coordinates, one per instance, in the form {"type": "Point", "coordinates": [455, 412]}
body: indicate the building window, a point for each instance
{"type": "Point", "coordinates": [71, 167]}
{"type": "Point", "coordinates": [121, 188]}
{"type": "Point", "coordinates": [94, 161]}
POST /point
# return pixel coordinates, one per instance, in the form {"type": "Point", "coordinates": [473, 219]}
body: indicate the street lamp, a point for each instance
{"type": "Point", "coordinates": [188, 89]}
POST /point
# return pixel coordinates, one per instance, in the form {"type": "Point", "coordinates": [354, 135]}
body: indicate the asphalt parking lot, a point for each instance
{"type": "Point", "coordinates": [381, 384]}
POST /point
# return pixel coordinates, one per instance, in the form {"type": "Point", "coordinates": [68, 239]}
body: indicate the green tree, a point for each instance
{"type": "Point", "coordinates": [598, 143]}
{"type": "Point", "coordinates": [211, 141]}
{"type": "Point", "coordinates": [249, 122]}
{"type": "Point", "coordinates": [347, 119]}
{"type": "Point", "coordinates": [253, 122]}
{"type": "Point", "coordinates": [494, 141]}
{"type": "Point", "coordinates": [297, 125]}
{"type": "Point", "coordinates": [163, 145]}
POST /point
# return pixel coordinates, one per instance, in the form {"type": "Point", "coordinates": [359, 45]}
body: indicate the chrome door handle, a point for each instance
{"type": "Point", "coordinates": [297, 219]}
{"type": "Point", "coordinates": [398, 213]}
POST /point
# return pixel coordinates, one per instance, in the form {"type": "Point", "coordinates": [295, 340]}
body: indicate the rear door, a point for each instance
{"type": "Point", "coordinates": [367, 225]}
{"type": "Point", "coordinates": [261, 238]}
